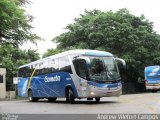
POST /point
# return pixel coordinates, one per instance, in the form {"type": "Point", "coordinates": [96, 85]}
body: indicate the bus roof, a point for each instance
{"type": "Point", "coordinates": [83, 52]}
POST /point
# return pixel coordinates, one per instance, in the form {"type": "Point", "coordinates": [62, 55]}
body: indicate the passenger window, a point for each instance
{"type": "Point", "coordinates": [64, 64]}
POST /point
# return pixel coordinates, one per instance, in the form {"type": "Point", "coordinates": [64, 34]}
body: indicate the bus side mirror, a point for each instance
{"type": "Point", "coordinates": [121, 63]}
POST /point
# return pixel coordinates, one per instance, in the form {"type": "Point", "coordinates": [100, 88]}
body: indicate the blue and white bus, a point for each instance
{"type": "Point", "coordinates": [152, 78]}
{"type": "Point", "coordinates": [71, 74]}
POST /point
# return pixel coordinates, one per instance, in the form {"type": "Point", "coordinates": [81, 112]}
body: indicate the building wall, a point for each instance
{"type": "Point", "coordinates": [3, 83]}
{"type": "Point", "coordinates": [10, 94]}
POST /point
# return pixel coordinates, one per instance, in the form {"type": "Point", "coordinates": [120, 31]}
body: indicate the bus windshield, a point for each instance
{"type": "Point", "coordinates": [103, 69]}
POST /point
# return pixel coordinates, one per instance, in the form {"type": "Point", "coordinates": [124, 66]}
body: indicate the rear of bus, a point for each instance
{"type": "Point", "coordinates": [152, 78]}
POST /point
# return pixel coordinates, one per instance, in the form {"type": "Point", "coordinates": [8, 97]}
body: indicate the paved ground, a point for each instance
{"type": "Point", "coordinates": [135, 103]}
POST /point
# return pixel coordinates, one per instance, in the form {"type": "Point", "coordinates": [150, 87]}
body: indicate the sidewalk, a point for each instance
{"type": "Point", "coordinates": [7, 99]}
{"type": "Point", "coordinates": [3, 99]}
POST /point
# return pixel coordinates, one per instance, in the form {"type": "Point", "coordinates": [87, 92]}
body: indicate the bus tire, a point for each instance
{"type": "Point", "coordinates": [52, 99]}
{"type": "Point", "coordinates": [67, 99]}
{"type": "Point", "coordinates": [71, 96]}
{"type": "Point", "coordinates": [97, 99]}
{"type": "Point", "coordinates": [30, 97]}
{"type": "Point", "coordinates": [154, 91]}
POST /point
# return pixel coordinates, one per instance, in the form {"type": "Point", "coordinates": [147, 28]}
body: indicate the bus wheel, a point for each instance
{"type": "Point", "coordinates": [67, 99]}
{"type": "Point", "coordinates": [52, 99]}
{"type": "Point", "coordinates": [97, 99]}
{"type": "Point", "coordinates": [30, 97]}
{"type": "Point", "coordinates": [71, 96]}
{"type": "Point", "coordinates": [154, 91]}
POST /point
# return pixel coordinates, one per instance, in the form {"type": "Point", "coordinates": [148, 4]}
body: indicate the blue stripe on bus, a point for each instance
{"type": "Point", "coordinates": [48, 85]}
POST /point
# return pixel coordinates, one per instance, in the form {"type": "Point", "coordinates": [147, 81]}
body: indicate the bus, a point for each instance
{"type": "Point", "coordinates": [152, 78]}
{"type": "Point", "coordinates": [72, 74]}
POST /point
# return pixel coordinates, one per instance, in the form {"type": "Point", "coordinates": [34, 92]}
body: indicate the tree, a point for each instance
{"type": "Point", "coordinates": [50, 52]}
{"type": "Point", "coordinates": [11, 58]}
{"type": "Point", "coordinates": [15, 27]}
{"type": "Point", "coordinates": [121, 33]}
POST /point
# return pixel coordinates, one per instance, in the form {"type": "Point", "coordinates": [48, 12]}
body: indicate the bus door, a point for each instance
{"type": "Point", "coordinates": [82, 72]}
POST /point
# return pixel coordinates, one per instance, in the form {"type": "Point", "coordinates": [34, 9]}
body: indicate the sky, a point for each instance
{"type": "Point", "coordinates": [52, 16]}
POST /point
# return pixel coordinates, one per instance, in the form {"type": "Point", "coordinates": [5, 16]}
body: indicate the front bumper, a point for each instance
{"type": "Point", "coordinates": [152, 87]}
{"type": "Point", "coordinates": [101, 92]}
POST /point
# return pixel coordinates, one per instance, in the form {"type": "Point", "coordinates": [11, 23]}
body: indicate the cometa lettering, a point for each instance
{"type": "Point", "coordinates": [52, 79]}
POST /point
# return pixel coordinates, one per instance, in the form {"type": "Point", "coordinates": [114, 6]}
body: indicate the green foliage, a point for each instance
{"type": "Point", "coordinates": [51, 52]}
{"type": "Point", "coordinates": [121, 33]}
{"type": "Point", "coordinates": [11, 58]}
{"type": "Point", "coordinates": [15, 25]}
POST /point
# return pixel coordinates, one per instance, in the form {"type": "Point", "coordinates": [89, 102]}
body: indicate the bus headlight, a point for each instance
{"type": "Point", "coordinates": [92, 93]}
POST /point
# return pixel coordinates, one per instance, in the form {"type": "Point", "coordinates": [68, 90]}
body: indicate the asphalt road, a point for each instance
{"type": "Point", "coordinates": [135, 103]}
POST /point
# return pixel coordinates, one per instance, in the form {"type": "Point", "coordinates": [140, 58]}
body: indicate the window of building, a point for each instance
{"type": "Point", "coordinates": [1, 78]}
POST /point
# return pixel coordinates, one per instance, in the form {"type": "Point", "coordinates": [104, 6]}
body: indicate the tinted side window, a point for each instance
{"type": "Point", "coordinates": [64, 65]}
{"type": "Point", "coordinates": [28, 71]}
{"type": "Point", "coordinates": [47, 67]}
{"type": "Point", "coordinates": [38, 69]}
{"type": "Point", "coordinates": [41, 68]}
{"type": "Point", "coordinates": [20, 72]}
{"type": "Point", "coordinates": [25, 71]}
{"type": "Point", "coordinates": [53, 65]}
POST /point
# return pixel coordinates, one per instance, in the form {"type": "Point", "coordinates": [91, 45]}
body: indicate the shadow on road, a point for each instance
{"type": "Point", "coordinates": [77, 102]}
